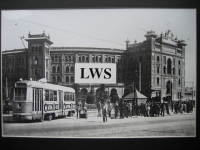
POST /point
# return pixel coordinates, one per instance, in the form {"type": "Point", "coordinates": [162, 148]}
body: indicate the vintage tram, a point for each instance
{"type": "Point", "coordinates": [38, 100]}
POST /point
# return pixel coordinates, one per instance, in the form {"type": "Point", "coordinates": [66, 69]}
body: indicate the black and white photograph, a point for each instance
{"type": "Point", "coordinates": [98, 73]}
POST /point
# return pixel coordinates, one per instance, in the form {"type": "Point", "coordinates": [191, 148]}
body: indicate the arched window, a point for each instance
{"type": "Point", "coordinates": [96, 58]}
{"type": "Point", "coordinates": [119, 70]}
{"type": "Point", "coordinates": [169, 66]}
{"type": "Point", "coordinates": [36, 60]}
{"type": "Point", "coordinates": [157, 80]}
{"type": "Point", "coordinates": [72, 79]}
{"type": "Point", "coordinates": [164, 69]}
{"type": "Point", "coordinates": [67, 79]}
{"type": "Point", "coordinates": [83, 58]}
{"type": "Point", "coordinates": [22, 69]}
{"type": "Point", "coordinates": [173, 71]}
{"type": "Point", "coordinates": [140, 58]}
{"type": "Point", "coordinates": [131, 60]}
{"type": "Point", "coordinates": [157, 69]}
{"type": "Point", "coordinates": [179, 62]}
{"type": "Point", "coordinates": [58, 69]}
{"type": "Point", "coordinates": [32, 49]}
{"type": "Point", "coordinates": [123, 70]}
{"type": "Point", "coordinates": [54, 69]}
{"type": "Point", "coordinates": [158, 59]}
{"type": "Point", "coordinates": [36, 49]}
{"type": "Point", "coordinates": [179, 72]}
{"type": "Point", "coordinates": [40, 49]}
{"type": "Point", "coordinates": [118, 79]}
{"type": "Point", "coordinates": [109, 59]}
{"type": "Point", "coordinates": [67, 69]}
{"type": "Point", "coordinates": [123, 79]}
{"type": "Point", "coordinates": [58, 78]}
{"type": "Point", "coordinates": [8, 70]}
{"type": "Point", "coordinates": [18, 70]}
{"type": "Point", "coordinates": [54, 79]}
{"type": "Point", "coordinates": [179, 82]}
{"type": "Point", "coordinates": [56, 58]}
{"type": "Point", "coordinates": [72, 68]}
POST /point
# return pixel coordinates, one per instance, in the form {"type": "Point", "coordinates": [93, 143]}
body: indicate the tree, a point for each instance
{"type": "Point", "coordinates": [114, 96]}
{"type": "Point", "coordinates": [77, 91]}
{"type": "Point", "coordinates": [90, 98]}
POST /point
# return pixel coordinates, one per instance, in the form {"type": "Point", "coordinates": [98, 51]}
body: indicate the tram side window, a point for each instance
{"type": "Point", "coordinates": [46, 95]}
{"type": "Point", "coordinates": [65, 96]}
{"type": "Point", "coordinates": [20, 94]}
{"type": "Point", "coordinates": [55, 95]}
{"type": "Point", "coordinates": [51, 96]}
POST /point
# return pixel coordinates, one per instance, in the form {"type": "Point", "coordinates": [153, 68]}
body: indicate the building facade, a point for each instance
{"type": "Point", "coordinates": [159, 61]}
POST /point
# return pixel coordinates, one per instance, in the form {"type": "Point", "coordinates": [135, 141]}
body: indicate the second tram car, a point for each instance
{"type": "Point", "coordinates": [36, 100]}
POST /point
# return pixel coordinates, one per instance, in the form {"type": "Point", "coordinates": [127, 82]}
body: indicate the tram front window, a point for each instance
{"type": "Point", "coordinates": [20, 94]}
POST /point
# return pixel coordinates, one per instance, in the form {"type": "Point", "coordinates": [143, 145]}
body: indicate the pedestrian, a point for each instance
{"type": "Point", "coordinates": [99, 109]}
{"type": "Point", "coordinates": [116, 109]}
{"type": "Point", "coordinates": [79, 108]}
{"type": "Point", "coordinates": [162, 108]}
{"type": "Point", "coordinates": [167, 109]}
{"type": "Point", "coordinates": [104, 111]}
{"type": "Point", "coordinates": [7, 106]}
{"type": "Point", "coordinates": [148, 107]}
{"type": "Point", "coordinates": [109, 109]}
{"type": "Point", "coordinates": [121, 109]}
{"type": "Point", "coordinates": [172, 105]}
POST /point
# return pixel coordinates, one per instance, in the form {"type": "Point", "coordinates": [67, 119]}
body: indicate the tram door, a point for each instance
{"type": "Point", "coordinates": [60, 97]}
{"type": "Point", "coordinates": [38, 101]}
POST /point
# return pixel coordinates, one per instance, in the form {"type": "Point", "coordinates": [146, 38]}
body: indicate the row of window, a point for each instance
{"type": "Point", "coordinates": [10, 60]}
{"type": "Point", "coordinates": [50, 95]}
{"type": "Point", "coordinates": [67, 69]}
{"type": "Point", "coordinates": [67, 79]}
{"type": "Point", "coordinates": [11, 70]}
{"type": "Point", "coordinates": [37, 49]}
{"type": "Point", "coordinates": [169, 70]}
{"type": "Point", "coordinates": [69, 96]}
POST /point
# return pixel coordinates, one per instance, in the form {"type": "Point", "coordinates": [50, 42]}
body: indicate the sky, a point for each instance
{"type": "Point", "coordinates": [103, 28]}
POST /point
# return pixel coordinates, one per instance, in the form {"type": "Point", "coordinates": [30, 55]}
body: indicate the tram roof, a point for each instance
{"type": "Point", "coordinates": [44, 85]}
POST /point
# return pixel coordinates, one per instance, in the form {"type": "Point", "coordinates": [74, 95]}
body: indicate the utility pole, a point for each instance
{"type": "Point", "coordinates": [139, 77]}
{"type": "Point", "coordinates": [6, 88]}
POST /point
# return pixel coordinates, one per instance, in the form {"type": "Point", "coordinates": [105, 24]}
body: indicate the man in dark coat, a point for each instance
{"type": "Point", "coordinates": [167, 109]}
{"type": "Point", "coordinates": [6, 106]}
{"type": "Point", "coordinates": [116, 109]}
{"type": "Point", "coordinates": [162, 107]}
{"type": "Point", "coordinates": [121, 109]}
{"type": "Point", "coordinates": [79, 108]}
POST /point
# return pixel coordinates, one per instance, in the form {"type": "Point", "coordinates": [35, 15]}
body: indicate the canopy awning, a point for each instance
{"type": "Point", "coordinates": [131, 96]}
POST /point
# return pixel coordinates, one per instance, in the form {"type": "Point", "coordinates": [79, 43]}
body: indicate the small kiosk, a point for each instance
{"type": "Point", "coordinates": [140, 98]}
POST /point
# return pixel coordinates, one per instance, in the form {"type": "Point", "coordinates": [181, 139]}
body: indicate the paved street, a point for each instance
{"type": "Point", "coordinates": [173, 125]}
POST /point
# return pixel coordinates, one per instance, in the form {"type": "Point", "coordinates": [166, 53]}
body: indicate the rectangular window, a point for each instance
{"type": "Point", "coordinates": [51, 95]}
{"type": "Point", "coordinates": [20, 94]}
{"type": "Point", "coordinates": [55, 95]}
{"type": "Point", "coordinates": [46, 95]}
{"type": "Point", "coordinates": [52, 59]}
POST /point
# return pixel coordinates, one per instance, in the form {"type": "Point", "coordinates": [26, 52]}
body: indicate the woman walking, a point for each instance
{"type": "Point", "coordinates": [104, 111]}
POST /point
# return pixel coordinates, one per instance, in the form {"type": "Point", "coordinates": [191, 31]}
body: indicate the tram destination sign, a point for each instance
{"type": "Point", "coordinates": [95, 73]}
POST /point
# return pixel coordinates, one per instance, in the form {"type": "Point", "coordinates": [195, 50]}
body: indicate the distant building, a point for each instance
{"type": "Point", "coordinates": [162, 60]}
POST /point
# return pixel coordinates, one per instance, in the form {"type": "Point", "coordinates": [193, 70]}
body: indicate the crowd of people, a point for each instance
{"type": "Point", "coordinates": [124, 109]}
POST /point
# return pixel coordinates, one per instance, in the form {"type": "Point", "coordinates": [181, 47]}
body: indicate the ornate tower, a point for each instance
{"type": "Point", "coordinates": [39, 56]}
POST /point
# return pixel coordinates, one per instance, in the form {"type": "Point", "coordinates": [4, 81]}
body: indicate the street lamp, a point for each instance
{"type": "Point", "coordinates": [135, 74]}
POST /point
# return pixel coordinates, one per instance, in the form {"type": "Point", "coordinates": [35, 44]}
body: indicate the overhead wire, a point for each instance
{"type": "Point", "coordinates": [71, 32]}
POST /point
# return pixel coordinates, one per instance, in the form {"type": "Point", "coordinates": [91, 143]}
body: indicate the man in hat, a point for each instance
{"type": "Point", "coordinates": [104, 111]}
{"type": "Point", "coordinates": [79, 108]}
{"type": "Point", "coordinates": [6, 106]}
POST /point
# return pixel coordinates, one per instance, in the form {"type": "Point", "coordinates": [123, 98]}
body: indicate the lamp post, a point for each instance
{"type": "Point", "coordinates": [135, 74]}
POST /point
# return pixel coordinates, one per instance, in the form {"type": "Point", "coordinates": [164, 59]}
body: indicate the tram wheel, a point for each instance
{"type": "Point", "coordinates": [50, 117]}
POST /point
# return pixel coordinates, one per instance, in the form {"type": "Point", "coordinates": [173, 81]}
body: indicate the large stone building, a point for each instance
{"type": "Point", "coordinates": [161, 59]}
